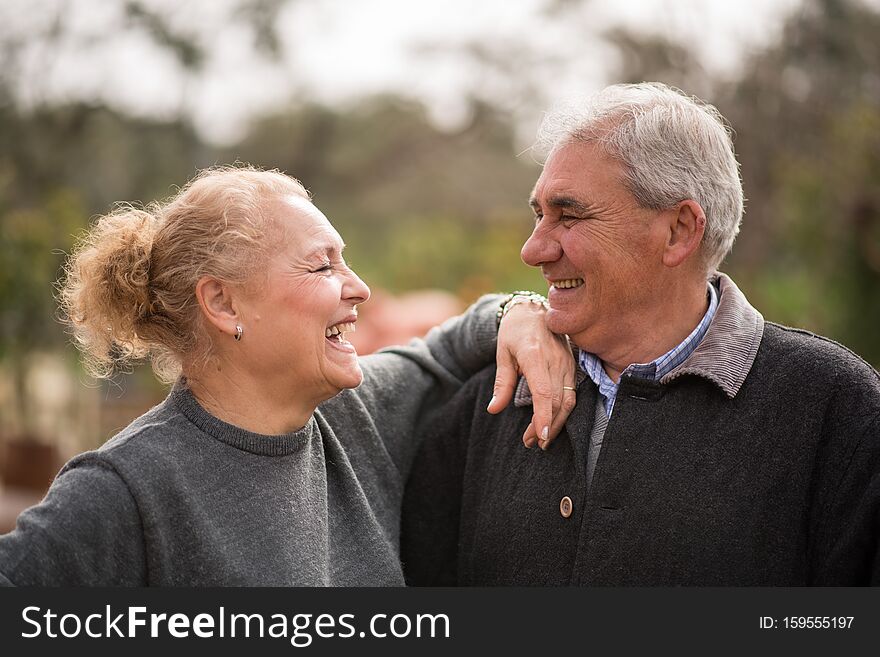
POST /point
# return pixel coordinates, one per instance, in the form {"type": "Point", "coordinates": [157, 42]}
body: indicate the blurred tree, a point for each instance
{"type": "Point", "coordinates": [58, 167]}
{"type": "Point", "coordinates": [420, 205]}
{"type": "Point", "coordinates": [654, 57]}
{"type": "Point", "coordinates": [103, 154]}
{"type": "Point", "coordinates": [30, 260]}
{"type": "Point", "coordinates": [807, 112]}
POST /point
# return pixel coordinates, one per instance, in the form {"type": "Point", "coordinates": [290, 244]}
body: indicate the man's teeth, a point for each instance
{"type": "Point", "coordinates": [568, 282]}
{"type": "Point", "coordinates": [340, 330]}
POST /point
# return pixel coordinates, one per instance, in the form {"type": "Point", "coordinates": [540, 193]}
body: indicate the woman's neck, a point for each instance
{"type": "Point", "coordinates": [238, 399]}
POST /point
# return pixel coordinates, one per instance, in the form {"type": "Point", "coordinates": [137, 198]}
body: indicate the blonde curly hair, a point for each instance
{"type": "Point", "coordinates": [128, 291]}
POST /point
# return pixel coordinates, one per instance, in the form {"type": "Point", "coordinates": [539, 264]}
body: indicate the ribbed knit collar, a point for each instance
{"type": "Point", "coordinates": [728, 351]}
{"type": "Point", "coordinates": [255, 443]}
{"type": "Point", "coordinates": [724, 356]}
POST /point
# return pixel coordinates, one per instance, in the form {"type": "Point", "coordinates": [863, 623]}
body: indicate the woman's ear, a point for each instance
{"type": "Point", "coordinates": [217, 304]}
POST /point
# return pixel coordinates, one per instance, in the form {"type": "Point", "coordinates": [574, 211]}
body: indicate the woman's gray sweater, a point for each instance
{"type": "Point", "coordinates": [180, 498]}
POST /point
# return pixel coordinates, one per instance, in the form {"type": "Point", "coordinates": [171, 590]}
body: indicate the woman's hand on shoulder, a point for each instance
{"type": "Point", "coordinates": [527, 347]}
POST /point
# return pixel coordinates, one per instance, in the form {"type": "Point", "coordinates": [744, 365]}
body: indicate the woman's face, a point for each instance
{"type": "Point", "coordinates": [309, 293]}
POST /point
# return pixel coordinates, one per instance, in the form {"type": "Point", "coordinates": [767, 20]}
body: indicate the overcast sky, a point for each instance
{"type": "Point", "coordinates": [337, 50]}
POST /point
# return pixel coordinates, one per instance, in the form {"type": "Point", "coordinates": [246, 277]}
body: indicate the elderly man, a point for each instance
{"type": "Point", "coordinates": [707, 446]}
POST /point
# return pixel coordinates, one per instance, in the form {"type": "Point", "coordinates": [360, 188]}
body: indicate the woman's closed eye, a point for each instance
{"type": "Point", "coordinates": [332, 265]}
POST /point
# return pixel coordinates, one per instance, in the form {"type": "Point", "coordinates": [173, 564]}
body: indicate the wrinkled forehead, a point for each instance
{"type": "Point", "coordinates": [574, 169]}
{"type": "Point", "coordinates": [302, 224]}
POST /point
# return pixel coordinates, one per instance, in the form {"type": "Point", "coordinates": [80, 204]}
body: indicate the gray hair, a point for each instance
{"type": "Point", "coordinates": [673, 147]}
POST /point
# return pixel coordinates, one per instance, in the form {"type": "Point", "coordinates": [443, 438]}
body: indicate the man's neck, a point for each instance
{"type": "Point", "coordinates": [656, 331]}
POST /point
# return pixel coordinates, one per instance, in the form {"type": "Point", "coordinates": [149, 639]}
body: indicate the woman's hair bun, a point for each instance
{"type": "Point", "coordinates": [106, 295]}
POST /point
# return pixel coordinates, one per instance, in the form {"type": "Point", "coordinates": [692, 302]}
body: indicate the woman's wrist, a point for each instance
{"type": "Point", "coordinates": [515, 298]}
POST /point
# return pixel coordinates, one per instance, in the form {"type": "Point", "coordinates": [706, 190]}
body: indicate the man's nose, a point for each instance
{"type": "Point", "coordinates": [539, 248]}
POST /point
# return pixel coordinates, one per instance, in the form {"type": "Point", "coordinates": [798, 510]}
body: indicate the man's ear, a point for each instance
{"type": "Point", "coordinates": [217, 304]}
{"type": "Point", "coordinates": [687, 223]}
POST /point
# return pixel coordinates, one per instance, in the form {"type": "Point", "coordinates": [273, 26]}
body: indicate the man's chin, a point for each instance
{"type": "Point", "coordinates": [559, 321]}
{"type": "Point", "coordinates": [563, 323]}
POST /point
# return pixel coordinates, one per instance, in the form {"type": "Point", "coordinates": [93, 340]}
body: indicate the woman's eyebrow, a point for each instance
{"type": "Point", "coordinates": [327, 249]}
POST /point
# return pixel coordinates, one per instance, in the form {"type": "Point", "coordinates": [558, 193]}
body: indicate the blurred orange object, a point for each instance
{"type": "Point", "coordinates": [387, 319]}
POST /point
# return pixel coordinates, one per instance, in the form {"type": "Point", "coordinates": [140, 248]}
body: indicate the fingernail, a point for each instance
{"type": "Point", "coordinates": [490, 401]}
{"type": "Point", "coordinates": [545, 433]}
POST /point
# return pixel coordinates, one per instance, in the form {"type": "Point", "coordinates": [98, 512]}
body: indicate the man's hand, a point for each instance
{"type": "Point", "coordinates": [526, 346]}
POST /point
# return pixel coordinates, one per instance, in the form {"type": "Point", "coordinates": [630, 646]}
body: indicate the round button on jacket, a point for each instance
{"type": "Point", "coordinates": [565, 506]}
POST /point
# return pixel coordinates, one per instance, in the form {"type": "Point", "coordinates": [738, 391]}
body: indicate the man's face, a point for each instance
{"type": "Point", "coordinates": [600, 252]}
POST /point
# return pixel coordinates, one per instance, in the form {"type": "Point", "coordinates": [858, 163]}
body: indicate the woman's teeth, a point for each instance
{"type": "Point", "coordinates": [339, 331]}
{"type": "Point", "coordinates": [568, 282]}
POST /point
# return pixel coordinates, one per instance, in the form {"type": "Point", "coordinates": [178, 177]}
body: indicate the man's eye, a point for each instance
{"type": "Point", "coordinates": [538, 217]}
{"type": "Point", "coordinates": [325, 267]}
{"type": "Point", "coordinates": [568, 221]}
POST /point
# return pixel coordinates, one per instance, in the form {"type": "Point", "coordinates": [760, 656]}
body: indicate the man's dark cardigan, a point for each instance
{"type": "Point", "coordinates": [754, 463]}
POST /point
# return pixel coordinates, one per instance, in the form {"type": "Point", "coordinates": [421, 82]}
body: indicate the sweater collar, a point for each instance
{"type": "Point", "coordinates": [255, 443]}
{"type": "Point", "coordinates": [724, 356]}
{"type": "Point", "coordinates": [727, 352]}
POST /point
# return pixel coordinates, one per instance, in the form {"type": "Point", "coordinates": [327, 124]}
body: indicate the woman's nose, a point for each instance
{"type": "Point", "coordinates": [356, 290]}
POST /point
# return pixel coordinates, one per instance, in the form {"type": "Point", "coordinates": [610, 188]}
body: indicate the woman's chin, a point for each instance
{"type": "Point", "coordinates": [348, 377]}
{"type": "Point", "coordinates": [356, 379]}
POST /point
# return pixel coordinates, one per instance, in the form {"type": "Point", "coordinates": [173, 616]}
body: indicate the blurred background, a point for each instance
{"type": "Point", "coordinates": [410, 122]}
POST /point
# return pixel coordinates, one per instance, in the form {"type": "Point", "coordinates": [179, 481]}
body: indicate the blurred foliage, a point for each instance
{"type": "Point", "coordinates": [419, 207]}
{"type": "Point", "coordinates": [31, 243]}
{"type": "Point", "coordinates": [807, 113]}
{"type": "Point", "coordinates": [58, 167]}
{"type": "Point", "coordinates": [425, 207]}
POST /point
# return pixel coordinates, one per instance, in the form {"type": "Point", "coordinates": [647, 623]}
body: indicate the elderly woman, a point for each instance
{"type": "Point", "coordinates": [279, 457]}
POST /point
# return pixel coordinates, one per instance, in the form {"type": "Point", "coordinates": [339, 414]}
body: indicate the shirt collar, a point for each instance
{"type": "Point", "coordinates": [660, 366]}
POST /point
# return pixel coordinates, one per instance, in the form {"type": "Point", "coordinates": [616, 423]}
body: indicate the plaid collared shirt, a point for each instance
{"type": "Point", "coordinates": [654, 370]}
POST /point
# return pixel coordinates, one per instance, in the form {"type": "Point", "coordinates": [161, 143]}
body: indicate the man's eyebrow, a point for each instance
{"type": "Point", "coordinates": [563, 203]}
{"type": "Point", "coordinates": [569, 203]}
